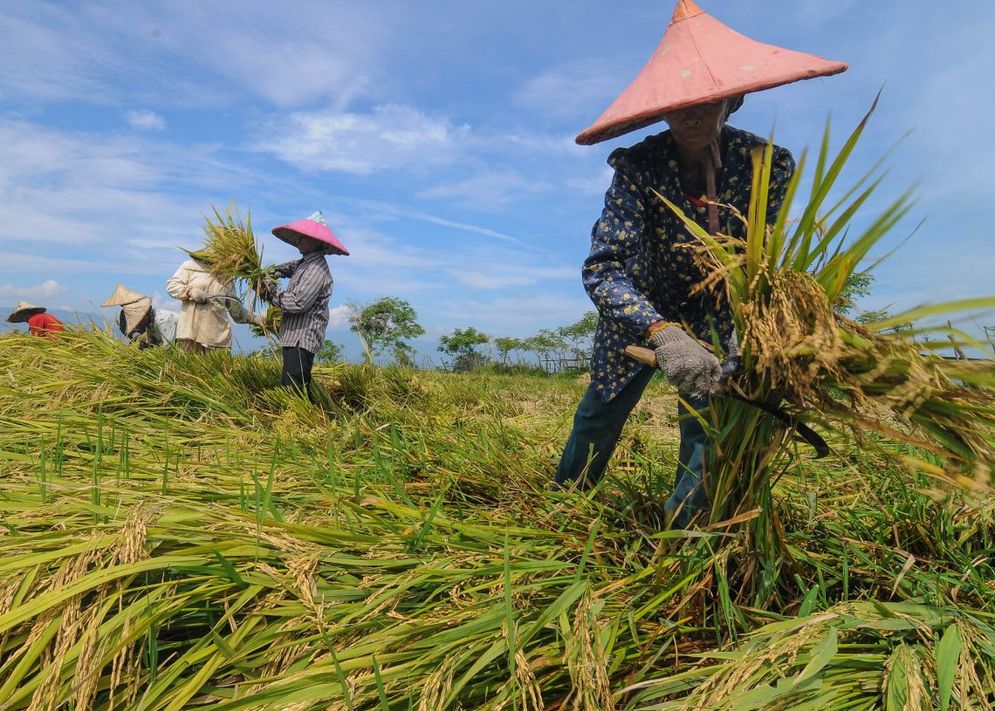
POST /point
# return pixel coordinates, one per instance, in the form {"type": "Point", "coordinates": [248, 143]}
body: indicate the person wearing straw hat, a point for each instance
{"type": "Point", "coordinates": [39, 322]}
{"type": "Point", "coordinates": [139, 322]}
{"type": "Point", "coordinates": [207, 303]}
{"type": "Point", "coordinates": [304, 303]}
{"type": "Point", "coordinates": [641, 272]}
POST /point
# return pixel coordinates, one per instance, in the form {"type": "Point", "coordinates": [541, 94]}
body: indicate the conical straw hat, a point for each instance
{"type": "Point", "coordinates": [314, 227]}
{"type": "Point", "coordinates": [123, 295]}
{"type": "Point", "coordinates": [699, 61]}
{"type": "Point", "coordinates": [23, 311]}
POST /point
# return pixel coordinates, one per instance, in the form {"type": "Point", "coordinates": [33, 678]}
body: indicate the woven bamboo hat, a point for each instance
{"type": "Point", "coordinates": [134, 305]}
{"type": "Point", "coordinates": [23, 311]}
{"type": "Point", "coordinates": [123, 295]}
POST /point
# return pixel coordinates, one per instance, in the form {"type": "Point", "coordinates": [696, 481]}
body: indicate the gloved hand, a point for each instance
{"type": "Point", "coordinates": [197, 295]}
{"type": "Point", "coordinates": [283, 270]}
{"type": "Point", "coordinates": [688, 365]}
{"type": "Point", "coordinates": [268, 289]}
{"type": "Point", "coordinates": [257, 319]}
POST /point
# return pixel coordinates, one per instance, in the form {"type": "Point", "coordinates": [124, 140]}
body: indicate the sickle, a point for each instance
{"type": "Point", "coordinates": [646, 356]}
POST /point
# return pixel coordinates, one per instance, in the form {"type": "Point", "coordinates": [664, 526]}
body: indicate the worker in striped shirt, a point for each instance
{"type": "Point", "coordinates": [304, 303]}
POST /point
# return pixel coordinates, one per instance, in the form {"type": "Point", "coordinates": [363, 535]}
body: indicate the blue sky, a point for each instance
{"type": "Point", "coordinates": [437, 137]}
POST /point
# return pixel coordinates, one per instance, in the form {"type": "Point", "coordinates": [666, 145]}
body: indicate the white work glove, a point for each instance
{"type": "Point", "coordinates": [257, 319]}
{"type": "Point", "coordinates": [688, 365]}
{"type": "Point", "coordinates": [197, 295]}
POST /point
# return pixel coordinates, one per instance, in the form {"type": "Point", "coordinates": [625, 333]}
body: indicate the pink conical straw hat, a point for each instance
{"type": "Point", "coordinates": [699, 61]}
{"type": "Point", "coordinates": [314, 227]}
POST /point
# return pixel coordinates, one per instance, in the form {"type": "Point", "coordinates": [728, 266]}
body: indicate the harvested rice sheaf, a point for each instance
{"type": "Point", "coordinates": [782, 281]}
{"type": "Point", "coordinates": [231, 250]}
{"type": "Point", "coordinates": [271, 325]}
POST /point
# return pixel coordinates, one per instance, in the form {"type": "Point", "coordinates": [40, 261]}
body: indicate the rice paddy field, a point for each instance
{"type": "Point", "coordinates": [177, 531]}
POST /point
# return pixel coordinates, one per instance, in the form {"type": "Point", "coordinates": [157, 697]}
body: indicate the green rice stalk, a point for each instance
{"type": "Point", "coordinates": [271, 325]}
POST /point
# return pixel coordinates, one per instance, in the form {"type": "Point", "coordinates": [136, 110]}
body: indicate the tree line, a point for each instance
{"type": "Point", "coordinates": [386, 325]}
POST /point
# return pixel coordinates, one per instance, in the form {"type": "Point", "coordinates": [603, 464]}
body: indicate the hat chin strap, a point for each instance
{"type": "Point", "coordinates": [712, 163]}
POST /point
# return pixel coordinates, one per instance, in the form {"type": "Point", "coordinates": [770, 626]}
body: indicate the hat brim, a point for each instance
{"type": "Point", "coordinates": [296, 239]}
{"type": "Point", "coordinates": [700, 61]}
{"type": "Point", "coordinates": [22, 315]}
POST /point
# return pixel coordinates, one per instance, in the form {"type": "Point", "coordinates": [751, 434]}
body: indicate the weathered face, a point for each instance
{"type": "Point", "coordinates": [696, 127]}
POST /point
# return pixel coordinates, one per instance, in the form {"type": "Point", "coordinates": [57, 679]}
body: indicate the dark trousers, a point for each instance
{"type": "Point", "coordinates": [297, 364]}
{"type": "Point", "coordinates": [597, 427]}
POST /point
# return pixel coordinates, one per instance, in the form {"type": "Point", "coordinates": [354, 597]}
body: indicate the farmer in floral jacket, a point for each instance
{"type": "Point", "coordinates": [642, 273]}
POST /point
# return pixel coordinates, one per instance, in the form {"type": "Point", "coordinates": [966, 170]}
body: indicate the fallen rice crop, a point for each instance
{"type": "Point", "coordinates": [179, 532]}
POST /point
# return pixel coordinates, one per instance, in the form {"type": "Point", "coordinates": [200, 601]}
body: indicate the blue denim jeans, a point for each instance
{"type": "Point", "coordinates": [597, 427]}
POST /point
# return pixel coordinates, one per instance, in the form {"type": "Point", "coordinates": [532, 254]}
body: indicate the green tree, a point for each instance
{"type": "Point", "coordinates": [546, 343]}
{"type": "Point", "coordinates": [579, 336]}
{"type": "Point", "coordinates": [330, 352]}
{"type": "Point", "coordinates": [462, 345]}
{"type": "Point", "coordinates": [505, 345]}
{"type": "Point", "coordinates": [404, 354]}
{"type": "Point", "coordinates": [857, 286]}
{"type": "Point", "coordinates": [382, 326]}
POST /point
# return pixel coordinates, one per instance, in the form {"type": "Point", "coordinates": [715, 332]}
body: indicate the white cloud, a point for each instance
{"type": "Point", "coordinates": [42, 59]}
{"type": "Point", "coordinates": [145, 118]}
{"type": "Point", "coordinates": [390, 137]}
{"type": "Point", "coordinates": [338, 316]}
{"type": "Point", "coordinates": [48, 289]}
{"type": "Point", "coordinates": [74, 189]}
{"type": "Point", "coordinates": [320, 51]}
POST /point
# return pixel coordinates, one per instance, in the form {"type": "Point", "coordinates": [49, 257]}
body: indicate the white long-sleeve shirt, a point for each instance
{"type": "Point", "coordinates": [207, 324]}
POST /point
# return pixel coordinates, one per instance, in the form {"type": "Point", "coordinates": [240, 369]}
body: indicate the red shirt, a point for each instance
{"type": "Point", "coordinates": [44, 325]}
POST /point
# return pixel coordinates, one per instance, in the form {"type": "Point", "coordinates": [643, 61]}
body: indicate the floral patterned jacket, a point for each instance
{"type": "Point", "coordinates": [640, 269]}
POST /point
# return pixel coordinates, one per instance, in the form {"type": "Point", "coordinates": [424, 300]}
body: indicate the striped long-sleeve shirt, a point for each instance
{"type": "Point", "coordinates": [304, 302]}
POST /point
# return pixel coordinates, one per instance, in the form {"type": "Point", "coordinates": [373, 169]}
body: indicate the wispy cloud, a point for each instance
{"type": "Point", "coordinates": [580, 88]}
{"type": "Point", "coordinates": [44, 291]}
{"type": "Point", "coordinates": [489, 189]}
{"type": "Point", "coordinates": [320, 52]}
{"type": "Point", "coordinates": [390, 137]}
{"type": "Point", "coordinates": [506, 276]}
{"type": "Point", "coordinates": [383, 211]}
{"type": "Point", "coordinates": [145, 118]}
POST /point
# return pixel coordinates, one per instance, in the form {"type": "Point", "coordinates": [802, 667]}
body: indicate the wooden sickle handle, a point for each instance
{"type": "Point", "coordinates": [646, 356]}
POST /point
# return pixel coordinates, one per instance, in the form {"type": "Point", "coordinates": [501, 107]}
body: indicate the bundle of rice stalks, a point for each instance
{"type": "Point", "coordinates": [231, 251]}
{"type": "Point", "coordinates": [782, 281]}
{"type": "Point", "coordinates": [271, 326]}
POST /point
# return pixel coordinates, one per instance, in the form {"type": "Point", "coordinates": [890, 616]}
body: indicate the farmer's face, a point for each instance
{"type": "Point", "coordinates": [697, 127]}
{"type": "Point", "coordinates": [308, 245]}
